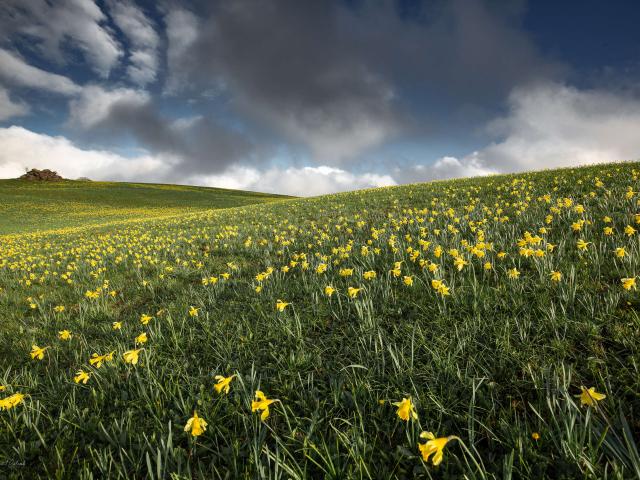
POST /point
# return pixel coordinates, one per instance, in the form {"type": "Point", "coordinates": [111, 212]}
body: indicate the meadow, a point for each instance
{"type": "Point", "coordinates": [41, 206]}
{"type": "Point", "coordinates": [477, 328]}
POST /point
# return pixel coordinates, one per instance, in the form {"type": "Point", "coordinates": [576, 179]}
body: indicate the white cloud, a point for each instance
{"type": "Point", "coordinates": [9, 108]}
{"type": "Point", "coordinates": [53, 24]}
{"type": "Point", "coordinates": [303, 181]}
{"type": "Point", "coordinates": [549, 126]}
{"type": "Point", "coordinates": [95, 103]}
{"type": "Point", "coordinates": [16, 71]}
{"type": "Point", "coordinates": [182, 32]}
{"type": "Point", "coordinates": [22, 148]}
{"type": "Point", "coordinates": [143, 38]}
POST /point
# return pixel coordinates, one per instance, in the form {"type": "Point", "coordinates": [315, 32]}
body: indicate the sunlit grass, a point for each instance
{"type": "Point", "coordinates": [464, 330]}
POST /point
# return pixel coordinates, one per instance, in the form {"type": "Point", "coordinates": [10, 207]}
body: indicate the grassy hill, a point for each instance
{"type": "Point", "coordinates": [500, 314]}
{"type": "Point", "coordinates": [35, 206]}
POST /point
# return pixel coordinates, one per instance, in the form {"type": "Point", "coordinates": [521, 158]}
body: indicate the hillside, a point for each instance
{"type": "Point", "coordinates": [35, 206]}
{"type": "Point", "coordinates": [499, 313]}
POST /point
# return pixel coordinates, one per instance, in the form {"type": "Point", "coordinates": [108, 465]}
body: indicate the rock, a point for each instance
{"type": "Point", "coordinates": [45, 175]}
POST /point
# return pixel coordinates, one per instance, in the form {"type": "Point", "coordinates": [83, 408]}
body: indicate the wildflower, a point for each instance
{"type": "Point", "coordinates": [346, 272]}
{"type": "Point", "coordinates": [321, 268]}
{"type": "Point", "coordinates": [37, 352]}
{"type": "Point", "coordinates": [434, 446]}
{"type": "Point", "coordinates": [131, 356]}
{"type": "Point", "coordinates": [144, 318]}
{"type": "Point", "coordinates": [280, 305]}
{"type": "Point", "coordinates": [408, 281]}
{"type": "Point", "coordinates": [58, 308]}
{"type": "Point", "coordinates": [440, 287]}
{"type": "Point", "coordinates": [370, 275]}
{"type": "Point", "coordinates": [97, 360]}
{"type": "Point", "coordinates": [460, 262]}
{"type": "Point", "coordinates": [607, 231]}
{"type": "Point", "coordinates": [628, 283]}
{"type": "Point", "coordinates": [620, 252]}
{"type": "Point", "coordinates": [535, 436]}
{"type": "Point", "coordinates": [488, 266]}
{"type": "Point", "coordinates": [406, 409]}
{"type": "Point", "coordinates": [353, 292]}
{"type": "Point", "coordinates": [193, 311]}
{"type": "Point", "coordinates": [223, 383]}
{"type": "Point", "coordinates": [589, 396]}
{"type": "Point", "coordinates": [142, 338]}
{"type": "Point", "coordinates": [582, 245]}
{"type": "Point", "coordinates": [64, 335]}
{"type": "Point", "coordinates": [555, 276]}
{"type": "Point", "coordinates": [81, 376]}
{"type": "Point", "coordinates": [11, 401]}
{"type": "Point", "coordinates": [116, 325]}
{"type": "Point", "coordinates": [629, 230]}
{"type": "Point", "coordinates": [196, 425]}
{"type": "Point", "coordinates": [513, 273]}
{"type": "Point", "coordinates": [261, 403]}
{"type": "Point", "coordinates": [328, 290]}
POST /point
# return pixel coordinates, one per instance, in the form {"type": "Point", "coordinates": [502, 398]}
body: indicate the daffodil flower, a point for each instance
{"type": "Point", "coordinates": [280, 305]}
{"type": "Point", "coordinates": [64, 335]}
{"type": "Point", "coordinates": [37, 352]}
{"type": "Point", "coordinates": [224, 383]}
{"type": "Point", "coordinates": [11, 401]}
{"type": "Point", "coordinates": [434, 446]}
{"type": "Point", "coordinates": [589, 396]}
{"type": "Point", "coordinates": [261, 404]}
{"type": "Point", "coordinates": [406, 409]}
{"type": "Point", "coordinates": [81, 376]}
{"type": "Point", "coordinates": [141, 339]}
{"type": "Point", "coordinates": [131, 356]}
{"type": "Point", "coordinates": [196, 425]}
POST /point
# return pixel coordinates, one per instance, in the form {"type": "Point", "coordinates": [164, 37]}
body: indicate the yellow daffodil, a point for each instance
{"type": "Point", "coordinates": [64, 335]}
{"type": "Point", "coordinates": [224, 383]}
{"type": "Point", "coordinates": [58, 308]}
{"type": "Point", "coordinates": [280, 305]}
{"type": "Point", "coordinates": [513, 273]}
{"type": "Point", "coordinates": [589, 396]}
{"type": "Point", "coordinates": [131, 356]}
{"type": "Point", "coordinates": [353, 292]}
{"type": "Point", "coordinates": [629, 230]}
{"type": "Point", "coordinates": [145, 319]}
{"type": "Point", "coordinates": [369, 275]}
{"type": "Point", "coordinates": [81, 376]}
{"type": "Point", "coordinates": [406, 409]}
{"type": "Point", "coordinates": [434, 446]}
{"type": "Point", "coordinates": [11, 401]}
{"type": "Point", "coordinates": [582, 245]}
{"type": "Point", "coordinates": [628, 283]}
{"type": "Point", "coordinates": [329, 290]}
{"type": "Point", "coordinates": [196, 425]}
{"type": "Point", "coordinates": [261, 404]}
{"type": "Point", "coordinates": [620, 252]}
{"type": "Point", "coordinates": [141, 339]}
{"type": "Point", "coordinates": [97, 360]}
{"type": "Point", "coordinates": [37, 352]}
{"type": "Point", "coordinates": [193, 311]}
{"type": "Point", "coordinates": [555, 276]}
{"type": "Point", "coordinates": [116, 325]}
{"type": "Point", "coordinates": [408, 281]}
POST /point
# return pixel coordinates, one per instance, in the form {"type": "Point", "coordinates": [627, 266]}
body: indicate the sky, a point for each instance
{"type": "Point", "coordinates": [313, 97]}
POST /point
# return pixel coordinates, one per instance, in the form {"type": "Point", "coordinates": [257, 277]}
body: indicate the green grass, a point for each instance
{"type": "Point", "coordinates": [492, 363]}
{"type": "Point", "coordinates": [27, 206]}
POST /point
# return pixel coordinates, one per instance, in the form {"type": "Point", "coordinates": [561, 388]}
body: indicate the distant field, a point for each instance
{"type": "Point", "coordinates": [36, 206]}
{"type": "Point", "coordinates": [498, 313]}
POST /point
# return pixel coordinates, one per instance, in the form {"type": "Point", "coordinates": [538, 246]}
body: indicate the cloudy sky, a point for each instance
{"type": "Point", "coordinates": [314, 97]}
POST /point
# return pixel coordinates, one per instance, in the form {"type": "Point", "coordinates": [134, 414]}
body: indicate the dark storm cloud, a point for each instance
{"type": "Point", "coordinates": [198, 145]}
{"type": "Point", "coordinates": [340, 79]}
